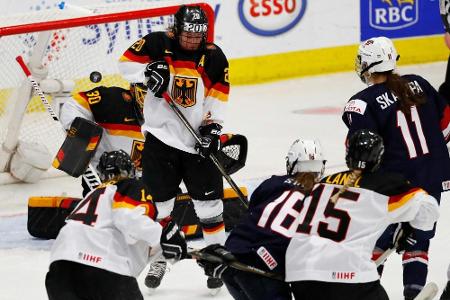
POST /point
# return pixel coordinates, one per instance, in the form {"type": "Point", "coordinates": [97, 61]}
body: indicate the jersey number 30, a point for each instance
{"type": "Point", "coordinates": [292, 212]}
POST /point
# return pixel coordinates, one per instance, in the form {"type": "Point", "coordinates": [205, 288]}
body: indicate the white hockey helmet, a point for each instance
{"type": "Point", "coordinates": [375, 55]}
{"type": "Point", "coordinates": [305, 156]}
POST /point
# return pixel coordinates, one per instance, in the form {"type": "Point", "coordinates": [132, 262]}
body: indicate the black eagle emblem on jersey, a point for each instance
{"type": "Point", "coordinates": [136, 154]}
{"type": "Point", "coordinates": [184, 91]}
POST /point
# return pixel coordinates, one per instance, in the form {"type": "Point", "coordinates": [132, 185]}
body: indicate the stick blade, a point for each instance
{"type": "Point", "coordinates": [428, 292]}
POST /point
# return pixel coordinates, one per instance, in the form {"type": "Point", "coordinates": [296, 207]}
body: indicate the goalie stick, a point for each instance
{"type": "Point", "coordinates": [214, 159]}
{"type": "Point", "coordinates": [197, 254]}
{"type": "Point", "coordinates": [90, 176]}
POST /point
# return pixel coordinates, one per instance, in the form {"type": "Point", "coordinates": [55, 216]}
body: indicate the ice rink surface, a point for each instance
{"type": "Point", "coordinates": [272, 116]}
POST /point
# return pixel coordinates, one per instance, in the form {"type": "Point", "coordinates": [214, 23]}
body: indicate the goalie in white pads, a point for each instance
{"type": "Point", "coordinates": [329, 256]}
{"type": "Point", "coordinates": [108, 238]}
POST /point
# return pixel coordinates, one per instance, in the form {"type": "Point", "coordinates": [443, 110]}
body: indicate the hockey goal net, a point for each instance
{"type": "Point", "coordinates": [62, 47]}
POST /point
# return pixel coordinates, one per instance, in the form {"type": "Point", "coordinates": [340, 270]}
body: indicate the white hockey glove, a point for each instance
{"type": "Point", "coordinates": [157, 77]}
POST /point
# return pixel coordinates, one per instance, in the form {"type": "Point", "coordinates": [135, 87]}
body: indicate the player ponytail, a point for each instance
{"type": "Point", "coordinates": [352, 178]}
{"type": "Point", "coordinates": [306, 180]}
{"type": "Point", "coordinates": [400, 88]}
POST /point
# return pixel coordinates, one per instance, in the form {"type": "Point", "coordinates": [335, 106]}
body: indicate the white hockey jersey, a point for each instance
{"type": "Point", "coordinates": [334, 242]}
{"type": "Point", "coordinates": [113, 110]}
{"type": "Point", "coordinates": [198, 85]}
{"type": "Point", "coordinates": [112, 228]}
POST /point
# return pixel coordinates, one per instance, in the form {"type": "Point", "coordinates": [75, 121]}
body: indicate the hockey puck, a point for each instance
{"type": "Point", "coordinates": [95, 77]}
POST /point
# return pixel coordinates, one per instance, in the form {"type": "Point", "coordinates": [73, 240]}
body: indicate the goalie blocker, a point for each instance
{"type": "Point", "coordinates": [79, 147]}
{"type": "Point", "coordinates": [47, 215]}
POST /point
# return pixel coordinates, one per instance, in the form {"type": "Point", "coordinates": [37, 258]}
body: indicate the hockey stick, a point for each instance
{"type": "Point", "coordinates": [90, 175]}
{"type": "Point", "coordinates": [214, 159]}
{"type": "Point", "coordinates": [197, 254]}
{"type": "Point", "coordinates": [380, 260]}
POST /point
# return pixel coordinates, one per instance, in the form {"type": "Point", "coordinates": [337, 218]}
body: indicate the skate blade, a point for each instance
{"type": "Point", "coordinates": [214, 292]}
{"type": "Point", "coordinates": [151, 291]}
{"type": "Point", "coordinates": [428, 292]}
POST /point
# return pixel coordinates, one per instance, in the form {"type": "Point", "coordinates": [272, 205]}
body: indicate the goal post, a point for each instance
{"type": "Point", "coordinates": [61, 49]}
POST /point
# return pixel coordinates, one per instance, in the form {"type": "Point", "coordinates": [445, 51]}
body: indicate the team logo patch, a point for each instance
{"type": "Point", "coordinates": [136, 154]}
{"type": "Point", "coordinates": [393, 14]}
{"type": "Point", "coordinates": [184, 90]}
{"type": "Point", "coordinates": [356, 106]}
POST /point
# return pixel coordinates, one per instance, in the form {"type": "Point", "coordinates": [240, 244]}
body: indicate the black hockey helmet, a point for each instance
{"type": "Point", "coordinates": [191, 18]}
{"type": "Point", "coordinates": [115, 164]}
{"type": "Point", "coordinates": [365, 150]}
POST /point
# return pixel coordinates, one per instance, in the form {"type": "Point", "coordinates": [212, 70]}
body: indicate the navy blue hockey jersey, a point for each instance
{"type": "Point", "coordinates": [262, 236]}
{"type": "Point", "coordinates": [415, 144]}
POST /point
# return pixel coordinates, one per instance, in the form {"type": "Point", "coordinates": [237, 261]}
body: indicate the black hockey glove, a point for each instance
{"type": "Point", "coordinates": [157, 77]}
{"type": "Point", "coordinates": [209, 140]}
{"type": "Point", "coordinates": [216, 260]}
{"type": "Point", "coordinates": [172, 242]}
{"type": "Point", "coordinates": [405, 237]}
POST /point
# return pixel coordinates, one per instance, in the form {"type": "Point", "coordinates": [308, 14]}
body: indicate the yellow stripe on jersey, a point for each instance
{"type": "Point", "coordinates": [398, 201]}
{"type": "Point", "coordinates": [82, 101]}
{"type": "Point", "coordinates": [218, 95]}
{"type": "Point", "coordinates": [185, 72]}
{"type": "Point", "coordinates": [127, 133]}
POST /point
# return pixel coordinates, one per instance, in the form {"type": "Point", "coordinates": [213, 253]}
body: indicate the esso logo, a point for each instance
{"type": "Point", "coordinates": [271, 17]}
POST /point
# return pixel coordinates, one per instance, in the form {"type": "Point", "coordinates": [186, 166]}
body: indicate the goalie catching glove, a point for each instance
{"type": "Point", "coordinates": [209, 140]}
{"type": "Point", "coordinates": [215, 260]}
{"type": "Point", "coordinates": [172, 242]}
{"type": "Point", "coordinates": [157, 77]}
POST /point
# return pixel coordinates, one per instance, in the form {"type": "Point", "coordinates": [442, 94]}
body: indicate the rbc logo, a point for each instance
{"type": "Point", "coordinates": [271, 17]}
{"type": "Point", "coordinates": [393, 14]}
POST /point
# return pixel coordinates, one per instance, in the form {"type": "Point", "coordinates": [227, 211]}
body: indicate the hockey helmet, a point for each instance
{"type": "Point", "coordinates": [365, 150]}
{"type": "Point", "coordinates": [138, 91]}
{"type": "Point", "coordinates": [115, 164]}
{"type": "Point", "coordinates": [375, 55]}
{"type": "Point", "coordinates": [305, 156]}
{"type": "Point", "coordinates": [192, 21]}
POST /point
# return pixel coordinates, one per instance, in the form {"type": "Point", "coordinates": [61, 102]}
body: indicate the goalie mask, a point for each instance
{"type": "Point", "coordinates": [191, 27]}
{"type": "Point", "coordinates": [305, 156]}
{"type": "Point", "coordinates": [115, 164]}
{"type": "Point", "coordinates": [375, 55]}
{"type": "Point", "coordinates": [365, 150]}
{"type": "Point", "coordinates": [138, 92]}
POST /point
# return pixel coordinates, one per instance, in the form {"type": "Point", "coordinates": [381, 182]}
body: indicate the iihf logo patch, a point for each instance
{"type": "Point", "coordinates": [393, 14]}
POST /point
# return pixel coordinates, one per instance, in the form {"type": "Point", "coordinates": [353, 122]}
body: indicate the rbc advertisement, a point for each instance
{"type": "Point", "coordinates": [400, 18]}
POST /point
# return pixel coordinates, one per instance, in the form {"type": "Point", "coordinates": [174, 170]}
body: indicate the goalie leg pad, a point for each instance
{"type": "Point", "coordinates": [79, 147]}
{"type": "Point", "coordinates": [30, 161]}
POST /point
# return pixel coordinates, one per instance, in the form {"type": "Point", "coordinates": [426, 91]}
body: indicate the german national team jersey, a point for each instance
{"type": "Point", "coordinates": [198, 85]}
{"type": "Point", "coordinates": [260, 239]}
{"type": "Point", "coordinates": [112, 229]}
{"type": "Point", "coordinates": [112, 109]}
{"type": "Point", "coordinates": [412, 142]}
{"type": "Point", "coordinates": [334, 242]}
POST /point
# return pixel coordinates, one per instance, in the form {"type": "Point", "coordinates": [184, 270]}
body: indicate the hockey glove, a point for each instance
{"type": "Point", "coordinates": [209, 140]}
{"type": "Point", "coordinates": [172, 241]}
{"type": "Point", "coordinates": [405, 237]}
{"type": "Point", "coordinates": [216, 260]}
{"type": "Point", "coordinates": [157, 77]}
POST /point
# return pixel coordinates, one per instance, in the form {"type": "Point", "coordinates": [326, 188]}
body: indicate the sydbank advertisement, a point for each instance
{"type": "Point", "coordinates": [400, 18]}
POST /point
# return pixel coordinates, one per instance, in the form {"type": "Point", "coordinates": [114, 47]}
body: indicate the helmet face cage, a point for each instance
{"type": "Point", "coordinates": [115, 164]}
{"type": "Point", "coordinates": [193, 21]}
{"type": "Point", "coordinates": [305, 156]}
{"type": "Point", "coordinates": [365, 151]}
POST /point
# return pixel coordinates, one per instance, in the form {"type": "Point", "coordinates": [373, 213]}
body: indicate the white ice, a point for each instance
{"type": "Point", "coordinates": [271, 116]}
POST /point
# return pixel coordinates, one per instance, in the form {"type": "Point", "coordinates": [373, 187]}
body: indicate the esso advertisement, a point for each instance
{"type": "Point", "coordinates": [271, 17]}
